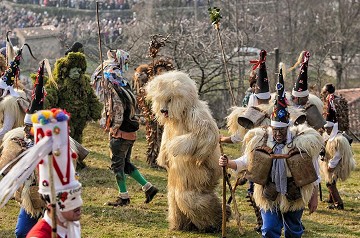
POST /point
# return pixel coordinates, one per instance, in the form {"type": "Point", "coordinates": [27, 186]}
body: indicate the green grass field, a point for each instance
{"type": "Point", "coordinates": [149, 220]}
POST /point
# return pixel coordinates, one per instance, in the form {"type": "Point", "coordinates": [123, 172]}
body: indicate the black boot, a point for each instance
{"type": "Point", "coordinates": [119, 202]}
{"type": "Point", "coordinates": [336, 206]}
{"type": "Point", "coordinates": [150, 193]}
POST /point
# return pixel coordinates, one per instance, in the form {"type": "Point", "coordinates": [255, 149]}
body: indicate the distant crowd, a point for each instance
{"type": "Point", "coordinates": [72, 28]}
{"type": "Point", "coordinates": [105, 4]}
{"type": "Point", "coordinates": [82, 4]}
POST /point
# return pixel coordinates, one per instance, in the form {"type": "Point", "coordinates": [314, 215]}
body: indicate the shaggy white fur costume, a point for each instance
{"type": "Point", "coordinates": [347, 163]}
{"type": "Point", "coordinates": [10, 106]}
{"type": "Point", "coordinates": [189, 151]}
{"type": "Point", "coordinates": [304, 139]}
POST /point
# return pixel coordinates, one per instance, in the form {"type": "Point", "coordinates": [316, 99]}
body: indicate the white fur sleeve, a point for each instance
{"type": "Point", "coordinates": [241, 164]}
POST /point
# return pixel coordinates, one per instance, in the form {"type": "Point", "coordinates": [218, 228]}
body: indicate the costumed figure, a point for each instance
{"type": "Point", "coordinates": [115, 66]}
{"type": "Point", "coordinates": [143, 74]}
{"type": "Point", "coordinates": [309, 103]}
{"type": "Point", "coordinates": [337, 160]}
{"type": "Point", "coordinates": [122, 124]}
{"type": "Point", "coordinates": [258, 110]}
{"type": "Point", "coordinates": [72, 92]}
{"type": "Point", "coordinates": [341, 105]}
{"type": "Point", "coordinates": [13, 102]}
{"type": "Point", "coordinates": [282, 161]}
{"type": "Point", "coordinates": [189, 151]}
{"type": "Point", "coordinates": [57, 183]}
{"type": "Point", "coordinates": [27, 195]}
{"type": "Point", "coordinates": [256, 113]}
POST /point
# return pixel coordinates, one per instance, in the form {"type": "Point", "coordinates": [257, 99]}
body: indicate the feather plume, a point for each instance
{"type": "Point", "coordinates": [23, 169]}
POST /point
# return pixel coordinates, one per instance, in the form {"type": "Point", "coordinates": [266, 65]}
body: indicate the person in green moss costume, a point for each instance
{"type": "Point", "coordinates": [73, 93]}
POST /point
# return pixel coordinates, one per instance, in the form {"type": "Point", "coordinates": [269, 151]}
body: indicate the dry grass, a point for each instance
{"type": "Point", "coordinates": [149, 220]}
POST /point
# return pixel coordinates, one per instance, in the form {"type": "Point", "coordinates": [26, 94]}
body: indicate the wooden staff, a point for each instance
{"type": "Point", "coordinates": [99, 36]}
{"type": "Point", "coordinates": [52, 197]}
{"type": "Point", "coordinates": [223, 225]}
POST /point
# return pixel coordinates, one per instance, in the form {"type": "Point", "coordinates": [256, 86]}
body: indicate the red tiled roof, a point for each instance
{"type": "Point", "coordinates": [351, 94]}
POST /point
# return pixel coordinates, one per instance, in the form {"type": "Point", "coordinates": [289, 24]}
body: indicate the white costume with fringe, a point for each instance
{"type": "Point", "coordinates": [338, 155]}
{"type": "Point", "coordinates": [300, 137]}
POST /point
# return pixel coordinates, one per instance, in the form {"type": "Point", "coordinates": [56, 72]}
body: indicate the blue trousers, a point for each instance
{"type": "Point", "coordinates": [273, 222]}
{"type": "Point", "coordinates": [24, 223]}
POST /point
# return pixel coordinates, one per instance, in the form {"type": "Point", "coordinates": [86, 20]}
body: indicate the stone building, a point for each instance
{"type": "Point", "coordinates": [44, 42]}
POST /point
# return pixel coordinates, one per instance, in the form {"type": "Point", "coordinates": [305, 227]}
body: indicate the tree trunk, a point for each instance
{"type": "Point", "coordinates": [339, 72]}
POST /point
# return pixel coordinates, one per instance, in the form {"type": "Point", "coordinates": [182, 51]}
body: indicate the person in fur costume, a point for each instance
{"type": "Point", "coordinates": [341, 105]}
{"type": "Point", "coordinates": [271, 159]}
{"type": "Point", "coordinates": [143, 74]}
{"type": "Point", "coordinates": [241, 120]}
{"type": "Point", "coordinates": [189, 151]}
{"type": "Point", "coordinates": [15, 142]}
{"type": "Point", "coordinates": [73, 93]}
{"type": "Point", "coordinates": [14, 101]}
{"type": "Point", "coordinates": [337, 161]}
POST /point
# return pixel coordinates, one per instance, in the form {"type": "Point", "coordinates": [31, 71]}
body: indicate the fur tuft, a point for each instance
{"type": "Point", "coordinates": [9, 106]}
{"type": "Point", "coordinates": [232, 121]}
{"type": "Point", "coordinates": [10, 149]}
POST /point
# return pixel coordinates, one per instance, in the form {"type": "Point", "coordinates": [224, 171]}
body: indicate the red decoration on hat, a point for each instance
{"type": "Point", "coordinates": [74, 155]}
{"type": "Point", "coordinates": [48, 133]}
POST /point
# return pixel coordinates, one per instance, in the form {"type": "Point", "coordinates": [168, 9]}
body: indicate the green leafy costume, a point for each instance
{"type": "Point", "coordinates": [73, 93]}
